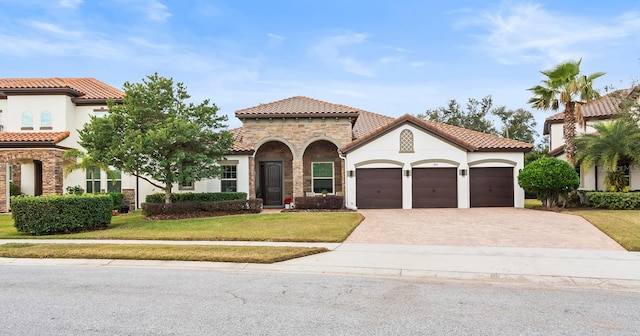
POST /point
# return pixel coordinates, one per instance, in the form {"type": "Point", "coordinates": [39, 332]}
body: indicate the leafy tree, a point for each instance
{"type": "Point", "coordinates": [474, 118]}
{"type": "Point", "coordinates": [539, 151]}
{"type": "Point", "coordinates": [157, 136]}
{"type": "Point", "coordinates": [613, 144]}
{"type": "Point", "coordinates": [565, 86]}
{"type": "Point", "coordinates": [550, 179]}
{"type": "Point", "coordinates": [517, 125]}
{"type": "Point", "coordinates": [86, 163]}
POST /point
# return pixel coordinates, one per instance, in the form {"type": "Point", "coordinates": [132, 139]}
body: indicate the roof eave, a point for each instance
{"type": "Point", "coordinates": [40, 91]}
{"type": "Point", "coordinates": [94, 101]}
{"type": "Point", "coordinates": [297, 115]}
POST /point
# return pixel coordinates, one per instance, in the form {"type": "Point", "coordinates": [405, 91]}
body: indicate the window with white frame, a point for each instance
{"type": "Point", "coordinates": [27, 120]}
{"type": "Point", "coordinates": [115, 184]}
{"type": "Point", "coordinates": [229, 178]}
{"type": "Point", "coordinates": [322, 177]}
{"type": "Point", "coordinates": [45, 120]}
{"type": "Point", "coordinates": [93, 181]}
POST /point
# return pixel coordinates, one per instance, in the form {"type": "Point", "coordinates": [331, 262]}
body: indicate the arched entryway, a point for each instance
{"type": "Point", "coordinates": [274, 173]}
{"type": "Point", "coordinates": [323, 169]}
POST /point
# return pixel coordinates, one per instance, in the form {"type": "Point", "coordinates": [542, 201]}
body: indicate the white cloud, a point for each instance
{"type": "Point", "coordinates": [72, 4]}
{"type": "Point", "coordinates": [275, 36]}
{"type": "Point", "coordinates": [156, 11]}
{"type": "Point", "coordinates": [54, 29]}
{"type": "Point", "coordinates": [331, 51]}
{"type": "Point", "coordinates": [528, 32]}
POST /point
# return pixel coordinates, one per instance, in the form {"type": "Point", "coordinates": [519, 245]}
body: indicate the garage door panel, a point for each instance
{"type": "Point", "coordinates": [435, 188]}
{"type": "Point", "coordinates": [491, 187]}
{"type": "Point", "coordinates": [379, 188]}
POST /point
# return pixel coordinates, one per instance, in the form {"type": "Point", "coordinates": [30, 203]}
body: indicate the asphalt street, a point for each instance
{"type": "Point", "coordinates": [88, 300]}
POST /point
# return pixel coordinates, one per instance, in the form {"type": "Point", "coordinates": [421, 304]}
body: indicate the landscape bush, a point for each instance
{"type": "Point", "coordinates": [613, 200]}
{"type": "Point", "coordinates": [118, 200]}
{"type": "Point", "coordinates": [189, 209]}
{"type": "Point", "coordinates": [197, 197]}
{"type": "Point", "coordinates": [328, 202]}
{"type": "Point", "coordinates": [45, 215]}
{"type": "Point", "coordinates": [550, 179]}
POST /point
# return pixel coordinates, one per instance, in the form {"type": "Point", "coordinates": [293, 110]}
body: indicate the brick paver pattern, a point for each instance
{"type": "Point", "coordinates": [489, 227]}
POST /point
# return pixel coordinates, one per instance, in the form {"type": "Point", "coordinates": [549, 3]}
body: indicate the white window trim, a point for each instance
{"type": "Point", "coordinates": [333, 177]}
{"type": "Point", "coordinates": [222, 178]}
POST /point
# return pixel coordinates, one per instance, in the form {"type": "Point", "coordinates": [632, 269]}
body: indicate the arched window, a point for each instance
{"type": "Point", "coordinates": [406, 141]}
{"type": "Point", "coordinates": [45, 120]}
{"type": "Point", "coordinates": [27, 120]}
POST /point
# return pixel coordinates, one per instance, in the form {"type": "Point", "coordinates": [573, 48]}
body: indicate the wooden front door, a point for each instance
{"type": "Point", "coordinates": [37, 178]}
{"type": "Point", "coordinates": [271, 182]}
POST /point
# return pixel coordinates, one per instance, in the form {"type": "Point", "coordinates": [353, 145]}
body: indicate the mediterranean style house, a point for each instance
{"type": "Point", "coordinates": [285, 149]}
{"type": "Point", "coordinates": [601, 110]}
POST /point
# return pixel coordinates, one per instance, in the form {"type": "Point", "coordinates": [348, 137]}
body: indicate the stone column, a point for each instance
{"type": "Point", "coordinates": [52, 174]}
{"type": "Point", "coordinates": [252, 178]}
{"type": "Point", "coordinates": [4, 188]}
{"type": "Point", "coordinates": [298, 178]}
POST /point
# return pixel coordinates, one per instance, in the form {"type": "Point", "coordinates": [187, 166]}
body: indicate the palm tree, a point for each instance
{"type": "Point", "coordinates": [564, 86]}
{"type": "Point", "coordinates": [614, 143]}
{"type": "Point", "coordinates": [85, 163]}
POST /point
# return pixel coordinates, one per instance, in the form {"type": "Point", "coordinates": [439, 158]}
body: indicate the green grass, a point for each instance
{"type": "Point", "coordinates": [238, 254]}
{"type": "Point", "coordinates": [530, 203]}
{"type": "Point", "coordinates": [291, 226]}
{"type": "Point", "coordinates": [622, 226]}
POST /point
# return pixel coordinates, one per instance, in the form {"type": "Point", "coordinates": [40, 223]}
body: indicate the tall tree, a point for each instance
{"type": "Point", "coordinates": [517, 125]}
{"type": "Point", "coordinates": [565, 86]}
{"type": "Point", "coordinates": [157, 136]}
{"type": "Point", "coordinates": [474, 118]}
{"type": "Point", "coordinates": [615, 143]}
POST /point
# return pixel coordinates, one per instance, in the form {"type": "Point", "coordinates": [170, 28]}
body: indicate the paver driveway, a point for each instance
{"type": "Point", "coordinates": [490, 227]}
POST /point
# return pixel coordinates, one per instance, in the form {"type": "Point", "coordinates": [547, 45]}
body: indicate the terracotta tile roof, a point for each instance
{"type": "Point", "coordinates": [470, 140]}
{"type": "Point", "coordinates": [82, 88]}
{"type": "Point", "coordinates": [49, 137]}
{"type": "Point", "coordinates": [298, 106]}
{"type": "Point", "coordinates": [238, 145]}
{"type": "Point", "coordinates": [367, 122]}
{"type": "Point", "coordinates": [607, 106]}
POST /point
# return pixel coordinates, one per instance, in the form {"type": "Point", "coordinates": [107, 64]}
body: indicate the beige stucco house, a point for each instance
{"type": "Point", "coordinates": [601, 110]}
{"type": "Point", "coordinates": [284, 149]}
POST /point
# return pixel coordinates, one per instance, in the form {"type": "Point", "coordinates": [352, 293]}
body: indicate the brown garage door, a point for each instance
{"type": "Point", "coordinates": [491, 187]}
{"type": "Point", "coordinates": [379, 188]}
{"type": "Point", "coordinates": [435, 188]}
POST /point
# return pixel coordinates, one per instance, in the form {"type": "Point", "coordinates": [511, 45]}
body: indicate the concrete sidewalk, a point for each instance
{"type": "Point", "coordinates": [600, 268]}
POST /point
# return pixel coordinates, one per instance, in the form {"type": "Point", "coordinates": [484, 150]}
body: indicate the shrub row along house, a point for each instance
{"type": "Point", "coordinates": [285, 149]}
{"type": "Point", "coordinates": [604, 109]}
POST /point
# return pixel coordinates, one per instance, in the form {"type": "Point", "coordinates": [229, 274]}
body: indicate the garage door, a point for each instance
{"type": "Point", "coordinates": [491, 187]}
{"type": "Point", "coordinates": [435, 188]}
{"type": "Point", "coordinates": [379, 188]}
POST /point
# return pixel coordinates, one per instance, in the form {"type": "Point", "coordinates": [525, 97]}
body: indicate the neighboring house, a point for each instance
{"type": "Point", "coordinates": [288, 148]}
{"type": "Point", "coordinates": [601, 110]}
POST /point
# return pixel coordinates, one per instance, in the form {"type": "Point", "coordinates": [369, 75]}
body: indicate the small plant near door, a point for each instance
{"type": "Point", "coordinates": [288, 203]}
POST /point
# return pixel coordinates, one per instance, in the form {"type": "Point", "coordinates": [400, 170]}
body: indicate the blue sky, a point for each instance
{"type": "Point", "coordinates": [390, 57]}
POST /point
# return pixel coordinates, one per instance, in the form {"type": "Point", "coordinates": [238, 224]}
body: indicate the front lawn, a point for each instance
{"type": "Point", "coordinates": [238, 254]}
{"type": "Point", "coordinates": [622, 226]}
{"type": "Point", "coordinates": [291, 226]}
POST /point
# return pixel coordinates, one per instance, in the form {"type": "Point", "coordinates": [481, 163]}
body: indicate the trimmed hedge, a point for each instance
{"type": "Point", "coordinates": [45, 215]}
{"type": "Point", "coordinates": [319, 202]}
{"type": "Point", "coordinates": [613, 200]}
{"type": "Point", "coordinates": [197, 197]}
{"type": "Point", "coordinates": [118, 200]}
{"type": "Point", "coordinates": [201, 209]}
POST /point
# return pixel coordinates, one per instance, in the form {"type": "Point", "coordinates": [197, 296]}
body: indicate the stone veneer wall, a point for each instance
{"type": "Point", "coordinates": [298, 133]}
{"type": "Point", "coordinates": [322, 151]}
{"type": "Point", "coordinates": [129, 198]}
{"type": "Point", "coordinates": [51, 170]}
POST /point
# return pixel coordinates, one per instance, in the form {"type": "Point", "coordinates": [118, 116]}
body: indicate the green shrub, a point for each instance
{"type": "Point", "coordinates": [613, 200]}
{"type": "Point", "coordinates": [118, 200]}
{"type": "Point", "coordinates": [550, 179]}
{"type": "Point", "coordinates": [44, 215]}
{"type": "Point", "coordinates": [14, 190]}
{"type": "Point", "coordinates": [75, 190]}
{"type": "Point", "coordinates": [199, 197]}
{"type": "Point", "coordinates": [320, 202]}
{"type": "Point", "coordinates": [201, 209]}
